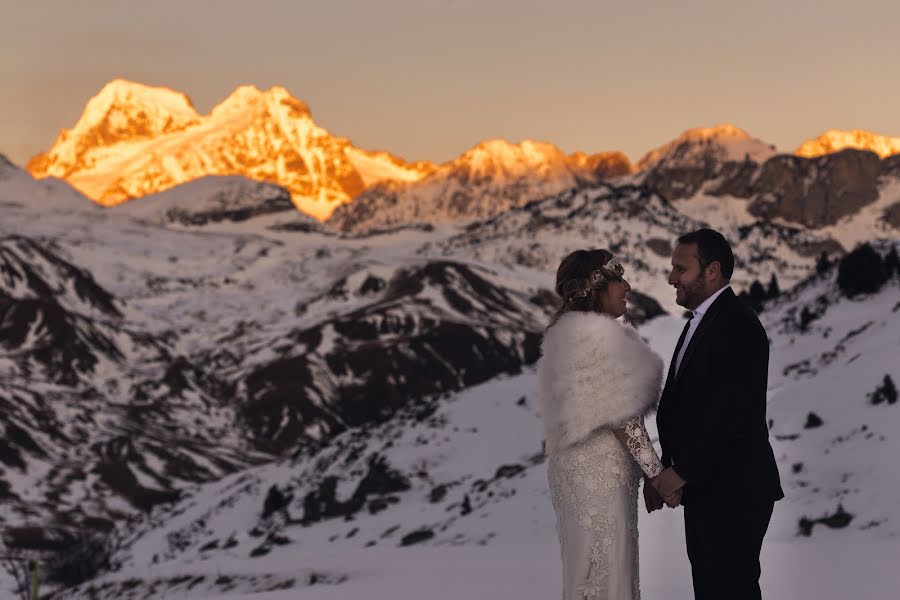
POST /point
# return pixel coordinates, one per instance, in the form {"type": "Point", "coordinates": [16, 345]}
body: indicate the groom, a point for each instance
{"type": "Point", "coordinates": [712, 423]}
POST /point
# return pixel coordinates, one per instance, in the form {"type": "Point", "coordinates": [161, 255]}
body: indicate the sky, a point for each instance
{"type": "Point", "coordinates": [428, 79]}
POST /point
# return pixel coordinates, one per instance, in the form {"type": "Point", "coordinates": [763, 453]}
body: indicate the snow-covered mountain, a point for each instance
{"type": "Point", "coordinates": [486, 180]}
{"type": "Point", "coordinates": [167, 361]}
{"type": "Point", "coordinates": [133, 140]}
{"type": "Point", "coordinates": [211, 199]}
{"type": "Point", "coordinates": [636, 224]}
{"type": "Point", "coordinates": [100, 416]}
{"type": "Point", "coordinates": [703, 146]}
{"type": "Point", "coordinates": [17, 186]}
{"type": "Point", "coordinates": [835, 140]}
{"type": "Point", "coordinates": [465, 470]}
{"type": "Point", "coordinates": [844, 192]}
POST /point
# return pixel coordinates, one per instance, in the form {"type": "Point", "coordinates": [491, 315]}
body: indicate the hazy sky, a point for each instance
{"type": "Point", "coordinates": [427, 79]}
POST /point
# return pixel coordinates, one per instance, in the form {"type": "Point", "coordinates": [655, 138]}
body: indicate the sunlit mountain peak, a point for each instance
{"type": "Point", "coordinates": [134, 140]}
{"type": "Point", "coordinates": [123, 110]}
{"type": "Point", "coordinates": [720, 143]}
{"type": "Point", "coordinates": [834, 140]}
{"type": "Point", "coordinates": [127, 109]}
{"type": "Point", "coordinates": [499, 157]}
{"type": "Point", "coordinates": [249, 98]}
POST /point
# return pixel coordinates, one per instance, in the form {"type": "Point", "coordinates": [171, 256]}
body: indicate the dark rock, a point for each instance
{"type": "Point", "coordinates": [892, 215]}
{"type": "Point", "coordinates": [275, 501]}
{"type": "Point", "coordinates": [660, 247]}
{"type": "Point", "coordinates": [818, 191]}
{"type": "Point", "coordinates": [437, 494]}
{"type": "Point", "coordinates": [466, 507]}
{"type": "Point", "coordinates": [641, 308]}
{"type": "Point", "coordinates": [812, 421]}
{"type": "Point", "coordinates": [508, 471]}
{"type": "Point", "coordinates": [416, 537]}
{"type": "Point", "coordinates": [886, 392]}
{"type": "Point", "coordinates": [838, 520]}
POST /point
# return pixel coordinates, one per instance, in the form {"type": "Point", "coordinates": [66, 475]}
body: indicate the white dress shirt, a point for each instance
{"type": "Point", "coordinates": [695, 322]}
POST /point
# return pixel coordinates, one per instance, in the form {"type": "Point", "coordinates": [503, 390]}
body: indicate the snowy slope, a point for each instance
{"type": "Point", "coordinates": [466, 470]}
{"type": "Point", "coordinates": [638, 226]}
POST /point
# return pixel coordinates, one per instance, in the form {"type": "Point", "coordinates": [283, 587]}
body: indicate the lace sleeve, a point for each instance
{"type": "Point", "coordinates": [634, 435]}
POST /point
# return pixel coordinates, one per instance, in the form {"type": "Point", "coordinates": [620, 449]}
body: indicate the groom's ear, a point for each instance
{"type": "Point", "coordinates": [714, 270]}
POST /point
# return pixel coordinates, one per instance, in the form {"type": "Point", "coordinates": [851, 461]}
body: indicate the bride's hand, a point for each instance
{"type": "Point", "coordinates": [652, 499]}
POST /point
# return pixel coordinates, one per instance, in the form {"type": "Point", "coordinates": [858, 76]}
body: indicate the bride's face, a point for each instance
{"type": "Point", "coordinates": [612, 299]}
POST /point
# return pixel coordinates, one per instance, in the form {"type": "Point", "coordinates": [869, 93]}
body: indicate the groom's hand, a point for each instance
{"type": "Point", "coordinates": [669, 484]}
{"type": "Point", "coordinates": [652, 499]}
{"type": "Point", "coordinates": [673, 500]}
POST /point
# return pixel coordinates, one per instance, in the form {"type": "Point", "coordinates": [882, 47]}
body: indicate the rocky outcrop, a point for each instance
{"type": "Point", "coordinates": [815, 192]}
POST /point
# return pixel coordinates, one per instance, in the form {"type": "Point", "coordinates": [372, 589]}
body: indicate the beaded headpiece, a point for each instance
{"type": "Point", "coordinates": [611, 271]}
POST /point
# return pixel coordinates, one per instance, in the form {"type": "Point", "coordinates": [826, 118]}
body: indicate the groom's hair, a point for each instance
{"type": "Point", "coordinates": [711, 247]}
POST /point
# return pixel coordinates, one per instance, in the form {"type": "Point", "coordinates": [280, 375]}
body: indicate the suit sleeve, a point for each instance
{"type": "Point", "coordinates": [737, 380]}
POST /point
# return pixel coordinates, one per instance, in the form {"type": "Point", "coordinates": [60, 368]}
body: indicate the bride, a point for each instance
{"type": "Point", "coordinates": [597, 380]}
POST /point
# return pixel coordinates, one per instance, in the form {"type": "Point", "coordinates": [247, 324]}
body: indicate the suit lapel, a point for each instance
{"type": "Point", "coordinates": [705, 326]}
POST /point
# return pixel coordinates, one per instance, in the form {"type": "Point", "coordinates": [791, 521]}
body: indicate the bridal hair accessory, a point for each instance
{"type": "Point", "coordinates": [611, 271]}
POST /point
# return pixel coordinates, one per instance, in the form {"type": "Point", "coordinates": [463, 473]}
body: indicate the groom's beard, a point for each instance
{"type": "Point", "coordinates": [694, 294]}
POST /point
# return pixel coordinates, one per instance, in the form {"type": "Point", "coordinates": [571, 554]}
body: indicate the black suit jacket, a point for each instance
{"type": "Point", "coordinates": [712, 413]}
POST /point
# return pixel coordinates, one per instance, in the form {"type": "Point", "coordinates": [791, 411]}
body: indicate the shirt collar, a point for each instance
{"type": "Point", "coordinates": [701, 310]}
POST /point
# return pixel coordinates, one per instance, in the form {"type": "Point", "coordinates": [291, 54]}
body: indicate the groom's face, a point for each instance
{"type": "Point", "coordinates": [687, 276]}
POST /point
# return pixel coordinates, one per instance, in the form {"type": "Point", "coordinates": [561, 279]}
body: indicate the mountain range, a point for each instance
{"type": "Point", "coordinates": [241, 399]}
{"type": "Point", "coordinates": [134, 140]}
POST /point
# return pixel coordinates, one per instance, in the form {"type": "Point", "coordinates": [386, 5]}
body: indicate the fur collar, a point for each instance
{"type": "Point", "coordinates": [593, 372]}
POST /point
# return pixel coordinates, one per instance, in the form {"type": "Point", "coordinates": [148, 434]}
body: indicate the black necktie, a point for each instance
{"type": "Point", "coordinates": [687, 325]}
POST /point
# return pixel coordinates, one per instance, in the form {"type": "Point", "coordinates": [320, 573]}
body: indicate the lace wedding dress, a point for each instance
{"type": "Point", "coordinates": [594, 487]}
{"type": "Point", "coordinates": [594, 375]}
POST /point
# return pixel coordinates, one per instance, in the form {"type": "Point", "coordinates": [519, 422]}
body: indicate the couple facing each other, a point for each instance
{"type": "Point", "coordinates": [598, 379]}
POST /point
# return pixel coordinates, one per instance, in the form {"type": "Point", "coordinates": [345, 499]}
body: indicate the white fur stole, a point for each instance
{"type": "Point", "coordinates": [593, 372]}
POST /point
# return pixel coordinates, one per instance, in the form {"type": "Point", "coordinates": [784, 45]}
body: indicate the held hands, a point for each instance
{"type": "Point", "coordinates": [668, 485]}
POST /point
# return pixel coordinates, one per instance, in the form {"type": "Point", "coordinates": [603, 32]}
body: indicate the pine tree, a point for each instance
{"type": "Point", "coordinates": [861, 272]}
{"type": "Point", "coordinates": [806, 317]}
{"type": "Point", "coordinates": [757, 295]}
{"type": "Point", "coordinates": [892, 263]}
{"type": "Point", "coordinates": [823, 264]}
{"type": "Point", "coordinates": [773, 291]}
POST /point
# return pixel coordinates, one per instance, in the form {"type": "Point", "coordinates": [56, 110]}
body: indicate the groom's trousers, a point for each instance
{"type": "Point", "coordinates": [723, 545]}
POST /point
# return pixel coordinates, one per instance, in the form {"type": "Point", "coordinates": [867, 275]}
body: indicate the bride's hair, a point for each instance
{"type": "Point", "coordinates": [577, 290]}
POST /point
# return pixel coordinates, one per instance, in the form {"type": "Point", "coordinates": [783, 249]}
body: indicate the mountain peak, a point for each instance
{"type": "Point", "coordinates": [250, 99]}
{"type": "Point", "coordinates": [721, 143]}
{"type": "Point", "coordinates": [165, 109]}
{"type": "Point", "coordinates": [122, 111]}
{"type": "Point", "coordinates": [834, 140]}
{"type": "Point", "coordinates": [499, 156]}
